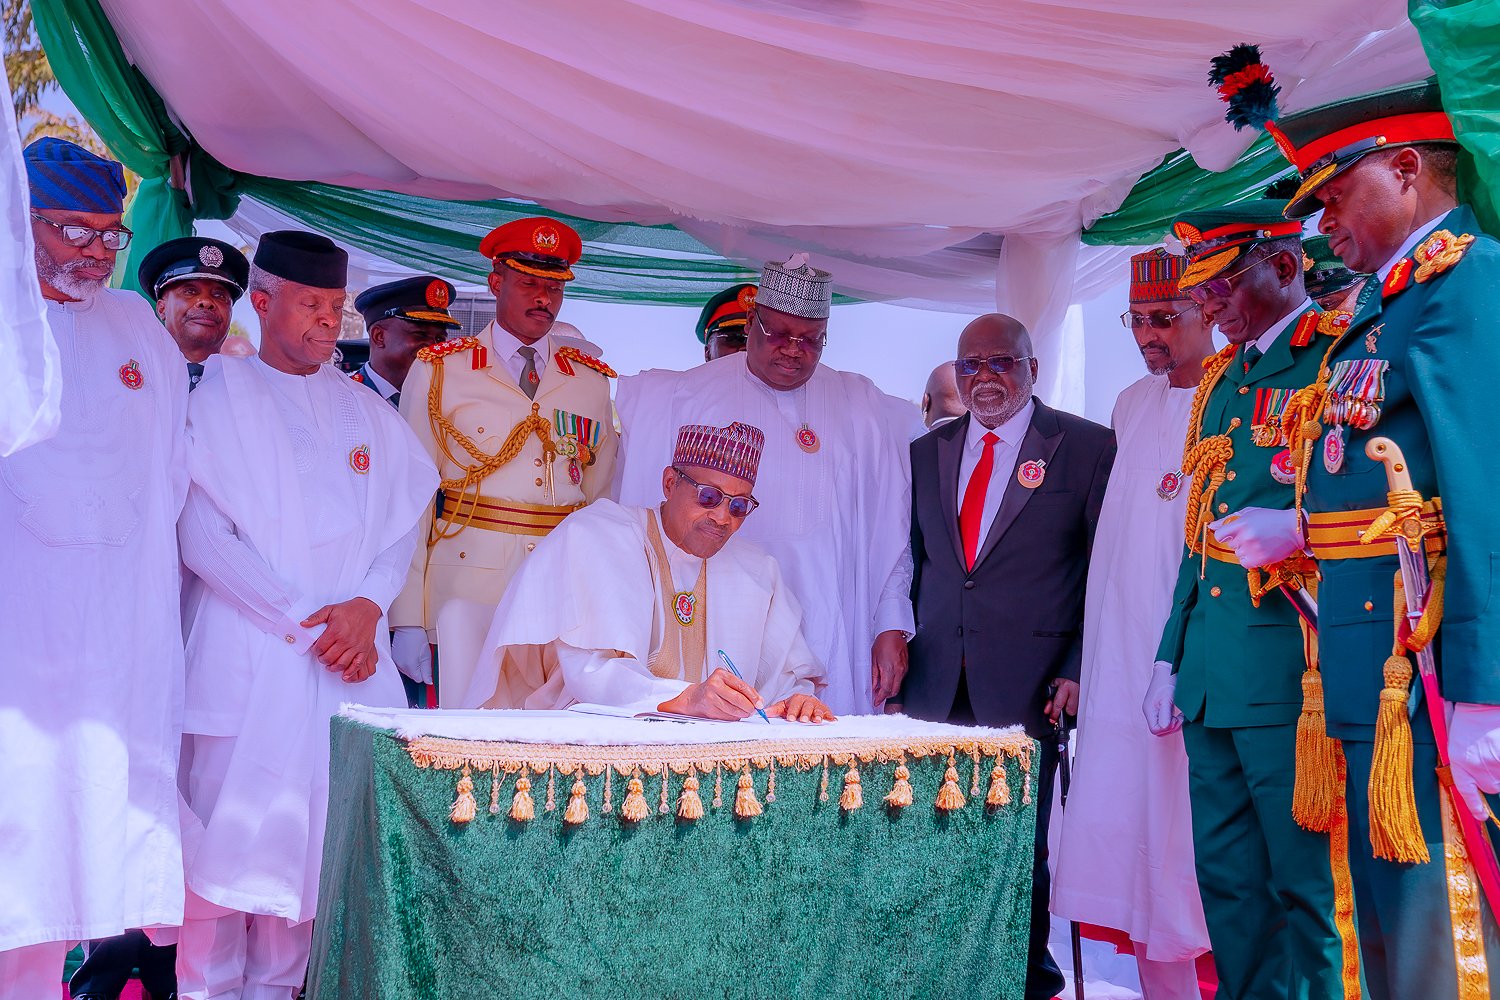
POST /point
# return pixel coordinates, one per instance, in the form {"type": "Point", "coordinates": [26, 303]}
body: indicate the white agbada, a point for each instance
{"type": "Point", "coordinates": [583, 618]}
{"type": "Point", "coordinates": [1125, 857]}
{"type": "Point", "coordinates": [837, 521]}
{"type": "Point", "coordinates": [91, 686]}
{"type": "Point", "coordinates": [306, 491]}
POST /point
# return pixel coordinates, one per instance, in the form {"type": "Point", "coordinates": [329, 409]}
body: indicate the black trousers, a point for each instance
{"type": "Point", "coordinates": [1044, 980]}
{"type": "Point", "coordinates": [108, 963]}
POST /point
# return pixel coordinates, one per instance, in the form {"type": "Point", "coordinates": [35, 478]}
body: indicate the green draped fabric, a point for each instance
{"type": "Point", "coordinates": [801, 901]}
{"type": "Point", "coordinates": [1462, 41]}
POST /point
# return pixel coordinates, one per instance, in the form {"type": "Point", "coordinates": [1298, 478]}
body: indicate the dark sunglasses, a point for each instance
{"type": "Point", "coordinates": [1156, 320]}
{"type": "Point", "coordinates": [82, 236]}
{"type": "Point", "coordinates": [1220, 288]}
{"type": "Point", "coordinates": [1000, 364]}
{"type": "Point", "coordinates": [710, 497]}
{"type": "Point", "coordinates": [778, 340]}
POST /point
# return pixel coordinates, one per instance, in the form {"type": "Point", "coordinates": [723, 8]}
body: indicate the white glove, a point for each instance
{"type": "Point", "coordinates": [1162, 717]}
{"type": "Point", "coordinates": [412, 654]}
{"type": "Point", "coordinates": [1474, 753]}
{"type": "Point", "coordinates": [1260, 536]}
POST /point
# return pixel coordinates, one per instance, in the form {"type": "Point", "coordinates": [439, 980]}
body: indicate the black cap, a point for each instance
{"type": "Point", "coordinates": [423, 299]}
{"type": "Point", "coordinates": [192, 257]}
{"type": "Point", "coordinates": [306, 258]}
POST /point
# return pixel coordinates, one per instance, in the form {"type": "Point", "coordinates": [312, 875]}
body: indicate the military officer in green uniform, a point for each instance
{"type": "Point", "coordinates": [721, 324]}
{"type": "Point", "coordinates": [1417, 367]}
{"type": "Point", "coordinates": [1329, 283]}
{"type": "Point", "coordinates": [1230, 657]}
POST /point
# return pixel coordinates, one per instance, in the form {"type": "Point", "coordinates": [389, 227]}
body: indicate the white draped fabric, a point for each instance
{"type": "Point", "coordinates": [30, 377]}
{"type": "Point", "coordinates": [91, 674]}
{"type": "Point", "coordinates": [1125, 858]}
{"type": "Point", "coordinates": [317, 506]}
{"type": "Point", "coordinates": [902, 142]}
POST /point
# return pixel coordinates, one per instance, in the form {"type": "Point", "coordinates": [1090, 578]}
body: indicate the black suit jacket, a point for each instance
{"type": "Point", "coordinates": [1016, 621]}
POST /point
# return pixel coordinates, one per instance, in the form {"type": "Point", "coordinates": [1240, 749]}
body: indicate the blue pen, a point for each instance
{"type": "Point", "coordinates": [736, 671]}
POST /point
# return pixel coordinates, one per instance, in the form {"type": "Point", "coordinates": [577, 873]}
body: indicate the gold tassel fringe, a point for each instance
{"type": "Point", "coordinates": [746, 804]}
{"type": "Point", "coordinates": [578, 802]}
{"type": "Point", "coordinates": [950, 796]}
{"type": "Point", "coordinates": [634, 808]}
{"type": "Point", "coordinates": [464, 807]}
{"type": "Point", "coordinates": [689, 805]}
{"type": "Point", "coordinates": [853, 796]}
{"type": "Point", "coordinates": [999, 788]}
{"type": "Point", "coordinates": [900, 796]}
{"type": "Point", "coordinates": [1395, 830]}
{"type": "Point", "coordinates": [522, 809]}
{"type": "Point", "coordinates": [1315, 788]}
{"type": "Point", "coordinates": [495, 790]}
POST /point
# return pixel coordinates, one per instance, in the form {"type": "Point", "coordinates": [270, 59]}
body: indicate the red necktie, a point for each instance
{"type": "Point", "coordinates": [971, 513]}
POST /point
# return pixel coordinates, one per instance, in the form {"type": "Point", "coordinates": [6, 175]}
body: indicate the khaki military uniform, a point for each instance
{"type": "Point", "coordinates": [512, 468]}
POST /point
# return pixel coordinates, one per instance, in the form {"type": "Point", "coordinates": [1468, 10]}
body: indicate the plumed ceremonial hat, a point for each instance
{"type": "Point", "coordinates": [733, 450]}
{"type": "Point", "coordinates": [796, 288]}
{"type": "Point", "coordinates": [728, 310]}
{"type": "Point", "coordinates": [423, 299]}
{"type": "Point", "coordinates": [66, 177]}
{"type": "Point", "coordinates": [193, 257]}
{"type": "Point", "coordinates": [1154, 276]}
{"type": "Point", "coordinates": [1215, 239]}
{"type": "Point", "coordinates": [1322, 269]}
{"type": "Point", "coordinates": [545, 248]}
{"type": "Point", "coordinates": [306, 258]}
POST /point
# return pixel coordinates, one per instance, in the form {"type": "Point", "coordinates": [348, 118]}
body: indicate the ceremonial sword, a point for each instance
{"type": "Point", "coordinates": [1411, 552]}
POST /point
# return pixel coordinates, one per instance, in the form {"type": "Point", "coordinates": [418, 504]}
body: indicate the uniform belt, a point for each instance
{"type": "Point", "coordinates": [514, 517]}
{"type": "Point", "coordinates": [1218, 550]}
{"type": "Point", "coordinates": [1337, 534]}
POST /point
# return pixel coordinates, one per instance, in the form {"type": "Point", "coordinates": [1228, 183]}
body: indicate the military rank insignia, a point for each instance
{"type": "Point", "coordinates": [130, 374]}
{"type": "Point", "coordinates": [437, 352]}
{"type": "Point", "coordinates": [1439, 252]}
{"type": "Point", "coordinates": [566, 357]}
{"type": "Point", "coordinates": [1268, 430]}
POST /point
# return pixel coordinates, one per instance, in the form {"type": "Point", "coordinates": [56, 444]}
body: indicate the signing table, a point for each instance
{"type": "Point", "coordinates": [553, 854]}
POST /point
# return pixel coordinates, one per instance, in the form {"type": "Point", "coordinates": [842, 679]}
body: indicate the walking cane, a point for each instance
{"type": "Point", "coordinates": [1065, 778]}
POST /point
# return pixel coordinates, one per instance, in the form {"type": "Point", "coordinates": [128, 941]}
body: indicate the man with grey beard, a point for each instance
{"type": "Point", "coordinates": [90, 625]}
{"type": "Point", "coordinates": [1004, 504]}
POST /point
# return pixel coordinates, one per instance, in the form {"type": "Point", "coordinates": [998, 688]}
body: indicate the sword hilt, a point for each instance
{"type": "Point", "coordinates": [1388, 453]}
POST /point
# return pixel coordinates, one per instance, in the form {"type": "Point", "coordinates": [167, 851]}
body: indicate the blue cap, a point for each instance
{"type": "Point", "coordinates": [66, 177]}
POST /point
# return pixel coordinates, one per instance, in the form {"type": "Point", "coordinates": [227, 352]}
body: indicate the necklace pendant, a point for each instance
{"type": "Point", "coordinates": [807, 439]}
{"type": "Point", "coordinates": [684, 606]}
{"type": "Point", "coordinates": [1170, 486]}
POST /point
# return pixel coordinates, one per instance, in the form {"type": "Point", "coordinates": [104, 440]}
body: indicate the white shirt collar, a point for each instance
{"type": "Point", "coordinates": [1265, 340]}
{"type": "Point", "coordinates": [507, 346]}
{"type": "Point", "coordinates": [1418, 234]}
{"type": "Point", "coordinates": [378, 382]}
{"type": "Point", "coordinates": [1009, 432]}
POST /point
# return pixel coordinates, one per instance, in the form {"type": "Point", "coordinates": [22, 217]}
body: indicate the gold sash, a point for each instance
{"type": "Point", "coordinates": [684, 647]}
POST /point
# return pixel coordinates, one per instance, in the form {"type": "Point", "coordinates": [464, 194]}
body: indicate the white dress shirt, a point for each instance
{"type": "Point", "coordinates": [378, 382]}
{"type": "Point", "coordinates": [508, 351]}
{"type": "Point", "coordinates": [1265, 340]}
{"type": "Point", "coordinates": [1007, 450]}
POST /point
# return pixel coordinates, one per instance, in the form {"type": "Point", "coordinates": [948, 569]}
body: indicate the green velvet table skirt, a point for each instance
{"type": "Point", "coordinates": [430, 889]}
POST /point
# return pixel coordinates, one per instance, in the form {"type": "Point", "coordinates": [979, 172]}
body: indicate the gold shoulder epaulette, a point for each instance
{"type": "Point", "coordinates": [439, 351]}
{"type": "Point", "coordinates": [1439, 252]}
{"type": "Point", "coordinates": [1334, 322]}
{"type": "Point", "coordinates": [567, 355]}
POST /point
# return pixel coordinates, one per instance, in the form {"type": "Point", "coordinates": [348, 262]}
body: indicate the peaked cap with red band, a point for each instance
{"type": "Point", "coordinates": [1325, 141]}
{"type": "Point", "coordinates": [728, 310]}
{"type": "Point", "coordinates": [539, 246]}
{"type": "Point", "coordinates": [1216, 239]}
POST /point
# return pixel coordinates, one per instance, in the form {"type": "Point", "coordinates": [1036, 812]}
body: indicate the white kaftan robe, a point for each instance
{"type": "Point", "coordinates": [91, 673]}
{"type": "Point", "coordinates": [306, 491]}
{"type": "Point", "coordinates": [1125, 858]}
{"type": "Point", "coordinates": [583, 618]}
{"type": "Point", "coordinates": [837, 521]}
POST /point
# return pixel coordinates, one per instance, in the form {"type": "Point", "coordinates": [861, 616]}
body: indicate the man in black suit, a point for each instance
{"type": "Point", "coordinates": [1004, 504]}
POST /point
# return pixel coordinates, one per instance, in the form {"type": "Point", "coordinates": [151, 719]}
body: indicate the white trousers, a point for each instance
{"type": "Point", "coordinates": [1168, 980]}
{"type": "Point", "coordinates": [34, 972]}
{"type": "Point", "coordinates": [241, 956]}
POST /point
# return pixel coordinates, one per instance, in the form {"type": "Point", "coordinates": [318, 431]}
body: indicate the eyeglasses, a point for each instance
{"type": "Point", "coordinates": [778, 340]}
{"type": "Point", "coordinates": [1156, 320]}
{"type": "Point", "coordinates": [82, 236]}
{"type": "Point", "coordinates": [1220, 287]}
{"type": "Point", "coordinates": [709, 497]}
{"type": "Point", "coordinates": [1000, 364]}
